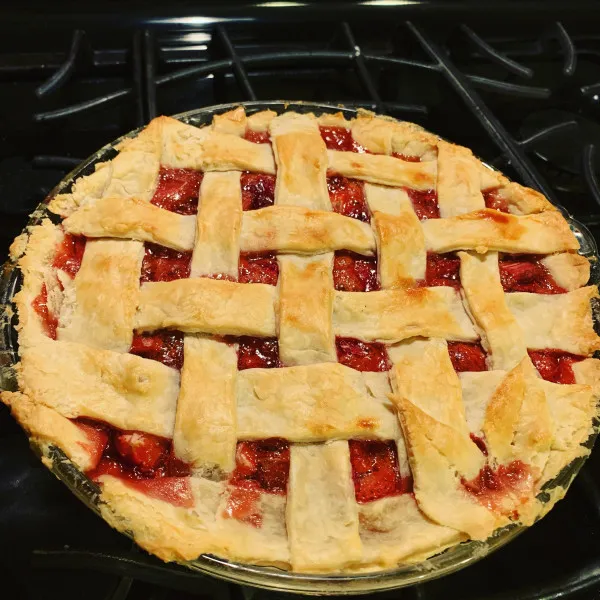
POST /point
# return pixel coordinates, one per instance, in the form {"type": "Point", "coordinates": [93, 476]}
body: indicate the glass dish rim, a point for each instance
{"type": "Point", "coordinates": [450, 560]}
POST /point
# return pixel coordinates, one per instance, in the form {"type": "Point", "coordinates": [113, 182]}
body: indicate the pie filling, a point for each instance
{"type": "Point", "coordinates": [257, 137]}
{"type": "Point", "coordinates": [69, 255]}
{"type": "Point", "coordinates": [425, 203]}
{"type": "Point", "coordinates": [354, 272]}
{"type": "Point", "coordinates": [442, 269]}
{"type": "Point", "coordinates": [258, 190]}
{"type": "Point", "coordinates": [258, 268]}
{"type": "Point", "coordinates": [49, 320]}
{"type": "Point", "coordinates": [178, 190]}
{"type": "Point", "coordinates": [362, 356]}
{"type": "Point", "coordinates": [164, 346]}
{"type": "Point", "coordinates": [467, 356]}
{"type": "Point", "coordinates": [164, 264]}
{"type": "Point", "coordinates": [258, 353]}
{"type": "Point", "coordinates": [480, 443]}
{"type": "Point", "coordinates": [526, 273]}
{"type": "Point", "coordinates": [375, 471]}
{"type": "Point", "coordinates": [261, 466]}
{"type": "Point", "coordinates": [493, 200]}
{"type": "Point", "coordinates": [340, 138]}
{"type": "Point", "coordinates": [492, 485]}
{"type": "Point", "coordinates": [131, 455]}
{"type": "Point", "coordinates": [348, 198]}
{"type": "Point", "coordinates": [555, 365]}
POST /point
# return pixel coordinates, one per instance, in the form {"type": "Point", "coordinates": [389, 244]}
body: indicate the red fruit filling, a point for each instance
{"type": "Point", "coordinates": [178, 190]}
{"type": "Point", "coordinates": [164, 346]}
{"type": "Point", "coordinates": [493, 200]}
{"type": "Point", "coordinates": [527, 274]}
{"type": "Point", "coordinates": [262, 466]}
{"type": "Point", "coordinates": [40, 305]}
{"type": "Point", "coordinates": [354, 273]}
{"type": "Point", "coordinates": [348, 198]}
{"type": "Point", "coordinates": [144, 460]}
{"type": "Point", "coordinates": [258, 190]}
{"type": "Point", "coordinates": [340, 138]}
{"type": "Point", "coordinates": [258, 353]}
{"type": "Point", "coordinates": [555, 365]}
{"type": "Point", "coordinates": [164, 264]}
{"type": "Point", "coordinates": [375, 470]}
{"type": "Point", "coordinates": [466, 356]}
{"type": "Point", "coordinates": [258, 268]}
{"type": "Point", "coordinates": [490, 486]}
{"type": "Point", "coordinates": [406, 157]}
{"type": "Point", "coordinates": [257, 137]}
{"type": "Point", "coordinates": [362, 356]}
{"type": "Point", "coordinates": [425, 203]}
{"type": "Point", "coordinates": [442, 269]}
{"type": "Point", "coordinates": [69, 254]}
{"type": "Point", "coordinates": [479, 443]}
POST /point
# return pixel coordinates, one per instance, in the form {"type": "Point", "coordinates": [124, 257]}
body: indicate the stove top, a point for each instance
{"type": "Point", "coordinates": [523, 93]}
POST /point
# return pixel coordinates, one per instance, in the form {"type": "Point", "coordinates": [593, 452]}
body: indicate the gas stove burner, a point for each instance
{"type": "Point", "coordinates": [562, 150]}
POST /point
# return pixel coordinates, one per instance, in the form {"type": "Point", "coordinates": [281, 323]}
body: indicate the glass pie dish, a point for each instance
{"type": "Point", "coordinates": [446, 562]}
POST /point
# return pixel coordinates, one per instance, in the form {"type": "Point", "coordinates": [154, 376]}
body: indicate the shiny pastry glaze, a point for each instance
{"type": "Point", "coordinates": [69, 254]}
{"type": "Point", "coordinates": [493, 200]}
{"type": "Point", "coordinates": [348, 198]}
{"type": "Point", "coordinates": [164, 346]}
{"type": "Point", "coordinates": [143, 460]}
{"type": "Point", "coordinates": [257, 353]}
{"type": "Point", "coordinates": [491, 485]}
{"type": "Point", "coordinates": [177, 190]}
{"type": "Point", "coordinates": [261, 466]}
{"type": "Point", "coordinates": [354, 272]}
{"type": "Point", "coordinates": [442, 269]}
{"type": "Point", "coordinates": [362, 356]}
{"type": "Point", "coordinates": [258, 268]}
{"type": "Point", "coordinates": [164, 264]}
{"type": "Point", "coordinates": [257, 137]}
{"type": "Point", "coordinates": [340, 138]}
{"type": "Point", "coordinates": [40, 305]}
{"type": "Point", "coordinates": [555, 365]}
{"type": "Point", "coordinates": [258, 190]}
{"type": "Point", "coordinates": [467, 356]}
{"type": "Point", "coordinates": [375, 470]}
{"type": "Point", "coordinates": [425, 203]}
{"type": "Point", "coordinates": [526, 273]}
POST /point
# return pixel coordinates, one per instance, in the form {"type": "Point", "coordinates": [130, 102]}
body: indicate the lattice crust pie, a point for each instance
{"type": "Point", "coordinates": [302, 341]}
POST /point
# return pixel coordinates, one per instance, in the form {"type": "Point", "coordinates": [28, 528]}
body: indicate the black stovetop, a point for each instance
{"type": "Point", "coordinates": [517, 82]}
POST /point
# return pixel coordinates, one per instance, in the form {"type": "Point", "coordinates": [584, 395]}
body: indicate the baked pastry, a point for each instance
{"type": "Point", "coordinates": [301, 341]}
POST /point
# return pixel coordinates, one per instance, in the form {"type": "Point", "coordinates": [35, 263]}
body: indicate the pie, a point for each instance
{"type": "Point", "coordinates": [321, 344]}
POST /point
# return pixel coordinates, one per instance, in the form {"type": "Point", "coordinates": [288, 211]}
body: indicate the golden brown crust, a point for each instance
{"type": "Point", "coordinates": [205, 429]}
{"type": "Point", "coordinates": [47, 426]}
{"type": "Point", "coordinates": [132, 219]}
{"type": "Point", "coordinates": [207, 306]}
{"type": "Point", "coordinates": [217, 248]}
{"type": "Point", "coordinates": [305, 310]}
{"type": "Point", "coordinates": [394, 315]}
{"type": "Point", "coordinates": [298, 230]}
{"type": "Point", "coordinates": [492, 231]}
{"type": "Point", "coordinates": [99, 305]}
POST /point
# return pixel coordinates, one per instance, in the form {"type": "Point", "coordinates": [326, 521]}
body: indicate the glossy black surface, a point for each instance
{"type": "Point", "coordinates": [509, 83]}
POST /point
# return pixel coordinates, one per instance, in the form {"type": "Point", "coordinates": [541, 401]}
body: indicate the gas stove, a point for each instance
{"type": "Point", "coordinates": [519, 83]}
